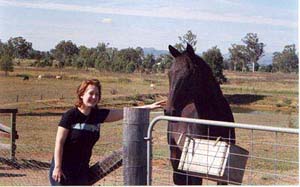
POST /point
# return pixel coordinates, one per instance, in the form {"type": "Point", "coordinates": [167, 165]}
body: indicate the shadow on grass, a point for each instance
{"type": "Point", "coordinates": [25, 164]}
{"type": "Point", "coordinates": [41, 114]}
{"type": "Point", "coordinates": [11, 175]}
{"type": "Point", "coordinates": [243, 98]}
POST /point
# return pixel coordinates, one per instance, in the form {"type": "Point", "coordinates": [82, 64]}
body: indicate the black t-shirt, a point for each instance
{"type": "Point", "coordinates": [79, 143]}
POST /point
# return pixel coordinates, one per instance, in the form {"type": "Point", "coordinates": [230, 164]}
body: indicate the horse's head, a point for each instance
{"type": "Point", "coordinates": [184, 80]}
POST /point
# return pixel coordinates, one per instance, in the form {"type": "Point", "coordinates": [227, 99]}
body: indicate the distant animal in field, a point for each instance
{"type": "Point", "coordinates": [25, 78]}
{"type": "Point", "coordinates": [58, 77]}
{"type": "Point", "coordinates": [40, 77]}
{"type": "Point", "coordinates": [152, 86]}
{"type": "Point", "coordinates": [194, 93]}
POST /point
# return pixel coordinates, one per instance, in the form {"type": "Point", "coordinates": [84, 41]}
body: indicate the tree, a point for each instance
{"type": "Point", "coordinates": [6, 56]}
{"type": "Point", "coordinates": [1, 48]}
{"type": "Point", "coordinates": [127, 56]}
{"type": "Point", "coordinates": [148, 62]}
{"type": "Point", "coordinates": [6, 64]}
{"type": "Point", "coordinates": [141, 54]}
{"type": "Point", "coordinates": [214, 58]}
{"type": "Point", "coordinates": [104, 56]}
{"type": "Point", "coordinates": [238, 58]}
{"type": "Point", "coordinates": [6, 49]}
{"type": "Point", "coordinates": [35, 54]}
{"type": "Point", "coordinates": [110, 57]}
{"type": "Point", "coordinates": [130, 68]}
{"type": "Point", "coordinates": [164, 61]}
{"type": "Point", "coordinates": [85, 58]}
{"type": "Point", "coordinates": [286, 61]}
{"type": "Point", "coordinates": [255, 49]}
{"type": "Point", "coordinates": [64, 52]}
{"type": "Point", "coordinates": [266, 68]}
{"type": "Point", "coordinates": [190, 38]}
{"type": "Point", "coordinates": [20, 47]}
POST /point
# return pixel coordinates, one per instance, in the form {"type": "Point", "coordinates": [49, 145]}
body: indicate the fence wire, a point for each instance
{"type": "Point", "coordinates": [272, 158]}
{"type": "Point", "coordinates": [35, 148]}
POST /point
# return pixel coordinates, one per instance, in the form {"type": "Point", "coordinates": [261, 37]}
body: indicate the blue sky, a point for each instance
{"type": "Point", "coordinates": [150, 23]}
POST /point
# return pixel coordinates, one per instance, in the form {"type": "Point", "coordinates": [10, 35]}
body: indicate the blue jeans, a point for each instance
{"type": "Point", "coordinates": [78, 176]}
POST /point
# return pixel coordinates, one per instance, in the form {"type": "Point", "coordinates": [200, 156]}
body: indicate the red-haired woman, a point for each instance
{"type": "Point", "coordinates": [77, 133]}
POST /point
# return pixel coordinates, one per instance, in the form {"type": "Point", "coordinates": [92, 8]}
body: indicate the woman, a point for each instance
{"type": "Point", "coordinates": [77, 133]}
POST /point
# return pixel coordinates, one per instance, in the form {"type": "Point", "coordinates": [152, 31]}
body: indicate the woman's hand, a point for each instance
{"type": "Point", "coordinates": [57, 174]}
{"type": "Point", "coordinates": [158, 104]}
{"type": "Point", "coordinates": [117, 114]}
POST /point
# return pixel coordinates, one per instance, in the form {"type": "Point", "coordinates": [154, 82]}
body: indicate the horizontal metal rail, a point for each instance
{"type": "Point", "coordinates": [204, 122]}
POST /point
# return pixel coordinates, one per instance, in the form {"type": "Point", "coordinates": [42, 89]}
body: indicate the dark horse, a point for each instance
{"type": "Point", "coordinates": [194, 93]}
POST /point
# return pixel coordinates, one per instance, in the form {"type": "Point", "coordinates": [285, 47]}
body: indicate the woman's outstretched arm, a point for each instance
{"type": "Point", "coordinates": [117, 114]}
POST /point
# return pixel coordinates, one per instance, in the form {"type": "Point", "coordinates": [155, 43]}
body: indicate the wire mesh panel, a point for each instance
{"type": "Point", "coordinates": [110, 141]}
{"type": "Point", "coordinates": [35, 148]}
{"type": "Point", "coordinates": [33, 152]}
{"type": "Point", "coordinates": [271, 157]}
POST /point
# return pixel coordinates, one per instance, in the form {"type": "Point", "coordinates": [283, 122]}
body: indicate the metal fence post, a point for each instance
{"type": "Point", "coordinates": [135, 125]}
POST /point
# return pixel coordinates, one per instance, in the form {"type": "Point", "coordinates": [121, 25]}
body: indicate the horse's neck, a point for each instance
{"type": "Point", "coordinates": [204, 109]}
{"type": "Point", "coordinates": [214, 108]}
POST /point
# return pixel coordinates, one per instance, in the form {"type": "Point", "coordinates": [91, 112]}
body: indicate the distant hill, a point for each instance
{"type": "Point", "coordinates": [265, 60]}
{"type": "Point", "coordinates": [155, 52]}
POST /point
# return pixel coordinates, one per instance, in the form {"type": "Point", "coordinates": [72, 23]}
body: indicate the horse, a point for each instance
{"type": "Point", "coordinates": [194, 93]}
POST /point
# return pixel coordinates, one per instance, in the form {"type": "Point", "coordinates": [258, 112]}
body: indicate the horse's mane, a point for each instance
{"type": "Point", "coordinates": [201, 66]}
{"type": "Point", "coordinates": [216, 99]}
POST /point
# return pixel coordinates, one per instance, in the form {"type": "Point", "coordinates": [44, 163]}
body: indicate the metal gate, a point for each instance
{"type": "Point", "coordinates": [272, 159]}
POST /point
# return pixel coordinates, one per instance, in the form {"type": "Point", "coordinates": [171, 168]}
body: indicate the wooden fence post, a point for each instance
{"type": "Point", "coordinates": [10, 131]}
{"type": "Point", "coordinates": [13, 136]}
{"type": "Point", "coordinates": [135, 125]}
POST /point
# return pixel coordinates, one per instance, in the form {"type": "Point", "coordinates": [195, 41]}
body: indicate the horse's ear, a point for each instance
{"type": "Point", "coordinates": [174, 52]}
{"type": "Point", "coordinates": [190, 49]}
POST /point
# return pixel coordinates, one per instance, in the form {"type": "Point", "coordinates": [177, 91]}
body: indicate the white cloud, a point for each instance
{"type": "Point", "coordinates": [229, 2]}
{"type": "Point", "coordinates": [162, 12]}
{"type": "Point", "coordinates": [106, 20]}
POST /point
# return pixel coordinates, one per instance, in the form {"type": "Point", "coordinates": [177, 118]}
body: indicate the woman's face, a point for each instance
{"type": "Point", "coordinates": [91, 96]}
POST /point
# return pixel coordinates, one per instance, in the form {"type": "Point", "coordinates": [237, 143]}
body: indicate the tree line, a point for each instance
{"type": "Point", "coordinates": [106, 58]}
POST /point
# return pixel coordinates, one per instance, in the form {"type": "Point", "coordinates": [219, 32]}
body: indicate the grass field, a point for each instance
{"type": "Point", "coordinates": [41, 103]}
{"type": "Point", "coordinates": [258, 90]}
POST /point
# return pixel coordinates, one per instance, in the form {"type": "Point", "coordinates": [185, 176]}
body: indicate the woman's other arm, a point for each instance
{"type": "Point", "coordinates": [61, 136]}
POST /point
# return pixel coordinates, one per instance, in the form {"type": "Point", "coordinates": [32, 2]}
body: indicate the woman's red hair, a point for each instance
{"type": "Point", "coordinates": [82, 87]}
